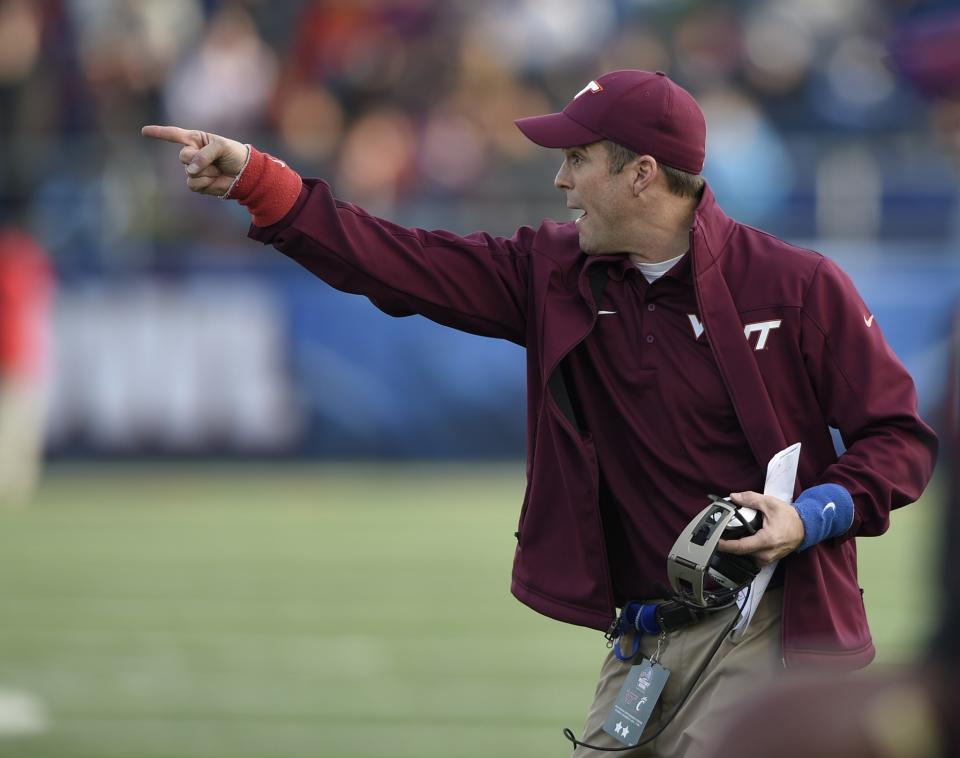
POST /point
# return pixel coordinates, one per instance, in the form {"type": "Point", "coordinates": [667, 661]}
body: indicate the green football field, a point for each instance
{"type": "Point", "coordinates": [254, 611]}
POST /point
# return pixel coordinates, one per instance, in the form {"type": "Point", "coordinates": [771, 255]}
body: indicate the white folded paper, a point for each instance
{"type": "Point", "coordinates": [781, 477]}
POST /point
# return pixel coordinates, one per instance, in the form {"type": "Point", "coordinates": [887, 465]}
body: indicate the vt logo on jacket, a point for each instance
{"type": "Point", "coordinates": [762, 328]}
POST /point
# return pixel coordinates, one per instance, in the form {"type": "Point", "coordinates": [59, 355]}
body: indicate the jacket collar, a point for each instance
{"type": "Point", "coordinates": [709, 232]}
{"type": "Point", "coordinates": [735, 360]}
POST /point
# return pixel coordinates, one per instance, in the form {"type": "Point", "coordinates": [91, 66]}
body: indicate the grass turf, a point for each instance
{"type": "Point", "coordinates": [287, 611]}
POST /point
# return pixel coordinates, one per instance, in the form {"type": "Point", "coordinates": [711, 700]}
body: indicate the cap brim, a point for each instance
{"type": "Point", "coordinates": [556, 130]}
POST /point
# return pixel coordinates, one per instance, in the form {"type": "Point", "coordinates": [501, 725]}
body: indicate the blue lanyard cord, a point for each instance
{"type": "Point", "coordinates": [620, 655]}
{"type": "Point", "coordinates": [642, 617]}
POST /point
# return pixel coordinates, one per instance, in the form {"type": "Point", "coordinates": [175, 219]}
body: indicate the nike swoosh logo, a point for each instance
{"type": "Point", "coordinates": [606, 313]}
{"type": "Point", "coordinates": [829, 507]}
{"type": "Point", "coordinates": [868, 321]}
{"type": "Point", "coordinates": [279, 163]}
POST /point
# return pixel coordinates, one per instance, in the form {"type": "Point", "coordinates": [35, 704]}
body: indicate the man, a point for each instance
{"type": "Point", "coordinates": [26, 287]}
{"type": "Point", "coordinates": [643, 393]}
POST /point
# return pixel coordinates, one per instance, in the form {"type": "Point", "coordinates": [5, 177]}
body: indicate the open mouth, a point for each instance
{"type": "Point", "coordinates": [583, 213]}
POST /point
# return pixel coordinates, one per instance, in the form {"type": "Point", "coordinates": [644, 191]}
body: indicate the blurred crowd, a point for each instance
{"type": "Point", "coordinates": [818, 123]}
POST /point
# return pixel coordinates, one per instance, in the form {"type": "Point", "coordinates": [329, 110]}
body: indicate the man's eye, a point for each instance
{"type": "Point", "coordinates": [576, 159]}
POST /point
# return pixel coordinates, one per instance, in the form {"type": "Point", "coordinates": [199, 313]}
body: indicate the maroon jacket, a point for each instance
{"type": "Point", "coordinates": [831, 366]}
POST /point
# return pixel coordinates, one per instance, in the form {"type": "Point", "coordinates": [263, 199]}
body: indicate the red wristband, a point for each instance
{"type": "Point", "coordinates": [267, 187]}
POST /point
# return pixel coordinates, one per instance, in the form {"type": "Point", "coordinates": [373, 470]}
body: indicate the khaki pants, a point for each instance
{"type": "Point", "coordinates": [21, 440]}
{"type": "Point", "coordinates": [736, 669]}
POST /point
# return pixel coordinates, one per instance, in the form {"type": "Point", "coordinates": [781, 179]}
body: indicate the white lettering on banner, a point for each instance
{"type": "Point", "coordinates": [763, 327]}
{"type": "Point", "coordinates": [149, 366]}
{"type": "Point", "coordinates": [592, 87]}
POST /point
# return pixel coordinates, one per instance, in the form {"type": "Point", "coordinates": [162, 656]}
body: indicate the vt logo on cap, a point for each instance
{"type": "Point", "coordinates": [592, 87]}
{"type": "Point", "coordinates": [644, 111]}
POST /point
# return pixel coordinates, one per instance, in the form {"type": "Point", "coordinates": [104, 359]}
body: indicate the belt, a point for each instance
{"type": "Point", "coordinates": [672, 615]}
{"type": "Point", "coordinates": [660, 616]}
{"type": "Point", "coordinates": [651, 618]}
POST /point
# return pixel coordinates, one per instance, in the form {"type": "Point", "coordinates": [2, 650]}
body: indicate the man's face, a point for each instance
{"type": "Point", "coordinates": [603, 197]}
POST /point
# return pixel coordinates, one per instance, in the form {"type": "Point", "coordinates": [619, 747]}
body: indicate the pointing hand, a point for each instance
{"type": "Point", "coordinates": [211, 162]}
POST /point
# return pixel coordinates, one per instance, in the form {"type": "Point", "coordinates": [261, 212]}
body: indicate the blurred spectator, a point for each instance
{"type": "Point", "coordinates": [25, 290]}
{"type": "Point", "coordinates": [455, 148]}
{"type": "Point", "coordinates": [376, 156]}
{"type": "Point", "coordinates": [926, 50]}
{"type": "Point", "coordinates": [310, 121]}
{"type": "Point", "coordinates": [778, 48]}
{"type": "Point", "coordinates": [545, 34]}
{"type": "Point", "coordinates": [228, 80]}
{"type": "Point", "coordinates": [127, 50]}
{"type": "Point", "coordinates": [708, 45]}
{"type": "Point", "coordinates": [20, 51]}
{"type": "Point", "coordinates": [749, 167]}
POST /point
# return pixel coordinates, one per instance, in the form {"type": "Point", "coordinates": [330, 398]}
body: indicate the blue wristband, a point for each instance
{"type": "Point", "coordinates": [826, 511]}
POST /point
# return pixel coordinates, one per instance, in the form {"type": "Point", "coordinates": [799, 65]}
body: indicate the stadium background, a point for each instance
{"type": "Point", "coordinates": [276, 522]}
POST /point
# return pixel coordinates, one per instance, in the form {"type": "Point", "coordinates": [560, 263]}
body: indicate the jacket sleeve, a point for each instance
{"type": "Point", "coordinates": [476, 283]}
{"type": "Point", "coordinates": [866, 393]}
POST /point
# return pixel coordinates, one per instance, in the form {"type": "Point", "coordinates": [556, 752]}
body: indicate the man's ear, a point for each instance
{"type": "Point", "coordinates": [645, 170]}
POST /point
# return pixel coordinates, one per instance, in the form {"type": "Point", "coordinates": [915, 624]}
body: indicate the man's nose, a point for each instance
{"type": "Point", "coordinates": [562, 179]}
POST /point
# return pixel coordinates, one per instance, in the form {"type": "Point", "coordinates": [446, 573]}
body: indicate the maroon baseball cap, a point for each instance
{"type": "Point", "coordinates": [644, 111]}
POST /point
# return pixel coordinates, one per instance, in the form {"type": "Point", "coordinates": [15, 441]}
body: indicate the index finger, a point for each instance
{"type": "Point", "coordinates": [742, 546]}
{"type": "Point", "coordinates": [174, 134]}
{"type": "Point", "coordinates": [751, 500]}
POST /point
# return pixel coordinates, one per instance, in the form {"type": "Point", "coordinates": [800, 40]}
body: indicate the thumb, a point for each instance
{"type": "Point", "coordinates": [205, 156]}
